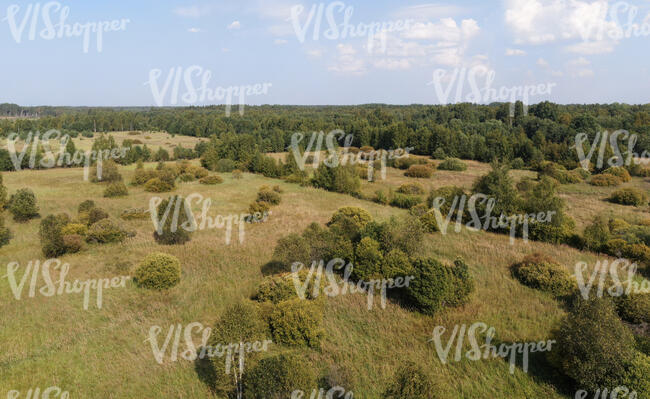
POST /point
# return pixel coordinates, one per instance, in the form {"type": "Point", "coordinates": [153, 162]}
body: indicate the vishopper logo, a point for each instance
{"type": "Point", "coordinates": [36, 393]}
{"type": "Point", "coordinates": [196, 81]}
{"type": "Point", "coordinates": [486, 350]}
{"type": "Point", "coordinates": [332, 393]}
{"type": "Point", "coordinates": [604, 393]}
{"type": "Point", "coordinates": [315, 276]}
{"type": "Point", "coordinates": [485, 221]}
{"type": "Point", "coordinates": [231, 351]}
{"type": "Point", "coordinates": [51, 12]}
{"type": "Point", "coordinates": [485, 94]}
{"type": "Point", "coordinates": [342, 29]}
{"type": "Point", "coordinates": [616, 287]}
{"type": "Point", "coordinates": [341, 156]}
{"type": "Point", "coordinates": [34, 143]}
{"type": "Point", "coordinates": [176, 205]}
{"type": "Point", "coordinates": [52, 287]}
{"type": "Point", "coordinates": [601, 142]}
{"type": "Point", "coordinates": [620, 20]}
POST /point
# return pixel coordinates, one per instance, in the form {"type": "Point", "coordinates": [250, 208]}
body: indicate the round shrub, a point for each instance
{"type": "Point", "coordinates": [94, 216]}
{"type": "Point", "coordinates": [158, 271]}
{"type": "Point", "coordinates": [116, 189]}
{"type": "Point", "coordinates": [454, 164]}
{"type": "Point", "coordinates": [358, 215]}
{"type": "Point", "coordinates": [629, 196]}
{"type": "Point", "coordinates": [142, 176]}
{"type": "Point", "coordinates": [430, 285]}
{"type": "Point", "coordinates": [619, 172]}
{"type": "Point", "coordinates": [86, 206]}
{"type": "Point", "coordinates": [582, 172]}
{"type": "Point", "coordinates": [429, 222]}
{"type": "Point", "coordinates": [172, 230]}
{"type": "Point", "coordinates": [419, 171]}
{"type": "Point", "coordinates": [257, 210]}
{"type": "Point", "coordinates": [617, 225]}
{"type": "Point", "coordinates": [297, 323]}
{"type": "Point", "coordinates": [5, 233]}
{"type": "Point", "coordinates": [541, 272]}
{"type": "Point", "coordinates": [411, 188]}
{"type": "Point", "coordinates": [637, 253]}
{"type": "Point", "coordinates": [134, 213]}
{"type": "Point", "coordinates": [278, 189]}
{"type": "Point", "coordinates": [22, 205]}
{"type": "Point", "coordinates": [411, 382]}
{"type": "Point", "coordinates": [605, 180]}
{"type": "Point", "coordinates": [292, 248]}
{"type": "Point", "coordinates": [282, 287]}
{"type": "Point", "coordinates": [634, 308]}
{"type": "Point", "coordinates": [74, 228]}
{"type": "Point", "coordinates": [157, 185]}
{"type": "Point", "coordinates": [268, 196]}
{"type": "Point", "coordinates": [72, 243]}
{"type": "Point", "coordinates": [105, 231]}
{"type": "Point", "coordinates": [278, 376]}
{"type": "Point", "coordinates": [593, 345]}
{"type": "Point", "coordinates": [225, 165]}
{"type": "Point", "coordinates": [368, 260]}
{"type": "Point", "coordinates": [396, 264]}
{"type": "Point", "coordinates": [211, 179]}
{"type": "Point", "coordinates": [405, 201]}
{"type": "Point", "coordinates": [107, 172]}
{"type": "Point", "coordinates": [50, 234]}
{"type": "Point", "coordinates": [439, 153]}
{"type": "Point", "coordinates": [186, 177]}
{"type": "Point", "coordinates": [517, 163]}
{"type": "Point", "coordinates": [461, 286]}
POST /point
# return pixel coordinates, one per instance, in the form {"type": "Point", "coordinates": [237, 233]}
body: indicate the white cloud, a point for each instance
{"type": "Point", "coordinates": [590, 48]}
{"type": "Point", "coordinates": [279, 42]}
{"type": "Point", "coordinates": [225, 50]}
{"type": "Point", "coordinates": [545, 21]}
{"type": "Point", "coordinates": [428, 11]}
{"type": "Point", "coordinates": [543, 63]}
{"type": "Point", "coordinates": [315, 53]}
{"type": "Point", "coordinates": [347, 61]}
{"type": "Point", "coordinates": [392, 64]}
{"type": "Point", "coordinates": [579, 68]}
{"type": "Point", "coordinates": [234, 25]}
{"type": "Point", "coordinates": [514, 51]}
{"type": "Point", "coordinates": [194, 30]}
{"type": "Point", "coordinates": [447, 29]}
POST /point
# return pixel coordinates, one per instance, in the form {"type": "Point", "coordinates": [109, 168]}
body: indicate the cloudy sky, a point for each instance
{"type": "Point", "coordinates": [161, 52]}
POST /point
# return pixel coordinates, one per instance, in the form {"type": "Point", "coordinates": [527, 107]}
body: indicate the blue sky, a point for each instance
{"type": "Point", "coordinates": [247, 42]}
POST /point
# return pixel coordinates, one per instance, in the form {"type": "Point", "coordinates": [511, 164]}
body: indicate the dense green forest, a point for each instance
{"type": "Point", "coordinates": [546, 131]}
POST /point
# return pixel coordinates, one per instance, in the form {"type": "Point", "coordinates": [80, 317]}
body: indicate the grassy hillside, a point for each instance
{"type": "Point", "coordinates": [101, 353]}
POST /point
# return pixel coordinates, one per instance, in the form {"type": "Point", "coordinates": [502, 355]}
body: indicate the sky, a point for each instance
{"type": "Point", "coordinates": [162, 52]}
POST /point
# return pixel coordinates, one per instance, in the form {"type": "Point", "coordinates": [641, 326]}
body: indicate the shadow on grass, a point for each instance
{"type": "Point", "coordinates": [273, 267]}
{"type": "Point", "coordinates": [205, 370]}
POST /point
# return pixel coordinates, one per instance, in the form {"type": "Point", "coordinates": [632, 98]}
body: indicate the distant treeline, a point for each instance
{"type": "Point", "coordinates": [545, 131]}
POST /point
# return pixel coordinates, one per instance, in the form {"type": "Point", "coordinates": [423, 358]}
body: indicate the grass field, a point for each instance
{"type": "Point", "coordinates": [102, 353]}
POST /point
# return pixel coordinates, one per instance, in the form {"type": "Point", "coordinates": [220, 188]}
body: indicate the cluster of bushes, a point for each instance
{"type": "Point", "coordinates": [163, 178]}
{"type": "Point", "coordinates": [560, 173]}
{"type": "Point", "coordinates": [266, 198]}
{"type": "Point", "coordinates": [406, 162]}
{"type": "Point", "coordinates": [105, 172]}
{"type": "Point", "coordinates": [116, 189]}
{"type": "Point", "coordinates": [543, 273]}
{"type": "Point", "coordinates": [454, 164]}
{"type": "Point", "coordinates": [134, 213]}
{"type": "Point", "coordinates": [619, 238]}
{"type": "Point", "coordinates": [612, 176]}
{"type": "Point", "coordinates": [187, 172]}
{"type": "Point", "coordinates": [420, 171]}
{"type": "Point", "coordinates": [211, 180]}
{"type": "Point", "coordinates": [340, 179]}
{"type": "Point", "coordinates": [380, 250]}
{"type": "Point", "coordinates": [629, 196]}
{"type": "Point", "coordinates": [59, 234]}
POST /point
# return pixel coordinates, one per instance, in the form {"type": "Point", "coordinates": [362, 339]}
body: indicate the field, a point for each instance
{"type": "Point", "coordinates": [102, 353]}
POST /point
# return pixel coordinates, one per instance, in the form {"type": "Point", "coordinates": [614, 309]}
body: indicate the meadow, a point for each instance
{"type": "Point", "coordinates": [102, 353]}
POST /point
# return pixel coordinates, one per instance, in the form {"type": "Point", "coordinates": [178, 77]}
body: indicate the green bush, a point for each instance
{"type": "Point", "coordinates": [72, 243]}
{"type": "Point", "coordinates": [211, 179]}
{"type": "Point", "coordinates": [74, 228]}
{"type": "Point", "coordinates": [93, 216]}
{"type": "Point", "coordinates": [597, 234]}
{"type": "Point", "coordinates": [419, 171]}
{"type": "Point", "coordinates": [429, 222]}
{"type": "Point", "coordinates": [593, 345]}
{"type": "Point", "coordinates": [278, 189]}
{"type": "Point", "coordinates": [637, 253]}
{"type": "Point", "coordinates": [634, 308]}
{"type": "Point", "coordinates": [259, 209]}
{"type": "Point", "coordinates": [290, 249]}
{"type": "Point", "coordinates": [186, 177]}
{"type": "Point", "coordinates": [108, 172]}
{"type": "Point", "coordinates": [349, 221]}
{"type": "Point", "coordinates": [396, 264]}
{"type": "Point", "coordinates": [327, 244]}
{"type": "Point", "coordinates": [449, 194]}
{"type": "Point", "coordinates": [405, 201]}
{"type": "Point", "coordinates": [172, 231]}
{"type": "Point", "coordinates": [430, 286]}
{"type": "Point", "coordinates": [297, 322]}
{"type": "Point", "coordinates": [406, 162]}
{"type": "Point", "coordinates": [225, 165]}
{"type": "Point", "coordinates": [86, 206]}
{"type": "Point", "coordinates": [517, 163]}
{"type": "Point", "coordinates": [462, 284]}
{"type": "Point", "coordinates": [3, 194]}
{"type": "Point", "coordinates": [605, 180]}
{"type": "Point", "coordinates": [237, 174]}
{"type": "Point", "coordinates": [5, 233]}
{"type": "Point", "coordinates": [541, 272]}
{"type": "Point", "coordinates": [583, 173]}
{"type": "Point", "coordinates": [411, 188]}
{"type": "Point", "coordinates": [116, 189]}
{"type": "Point", "coordinates": [156, 185]}
{"type": "Point", "coordinates": [22, 205]}
{"type": "Point", "coordinates": [619, 172]}
{"type": "Point", "coordinates": [411, 382]}
{"type": "Point", "coordinates": [452, 164]}
{"type": "Point", "coordinates": [439, 153]}
{"type": "Point", "coordinates": [134, 213]}
{"type": "Point", "coordinates": [636, 377]}
{"type": "Point", "coordinates": [368, 260]}
{"type": "Point", "coordinates": [280, 288]}
{"type": "Point", "coordinates": [105, 231]}
{"type": "Point", "coordinates": [629, 196]}
{"type": "Point", "coordinates": [50, 234]}
{"type": "Point", "coordinates": [278, 376]}
{"type": "Point", "coordinates": [142, 176]}
{"type": "Point", "coordinates": [270, 197]}
{"type": "Point", "coordinates": [339, 179]}
{"type": "Point", "coordinates": [158, 271]}
{"type": "Point", "coordinates": [404, 233]}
